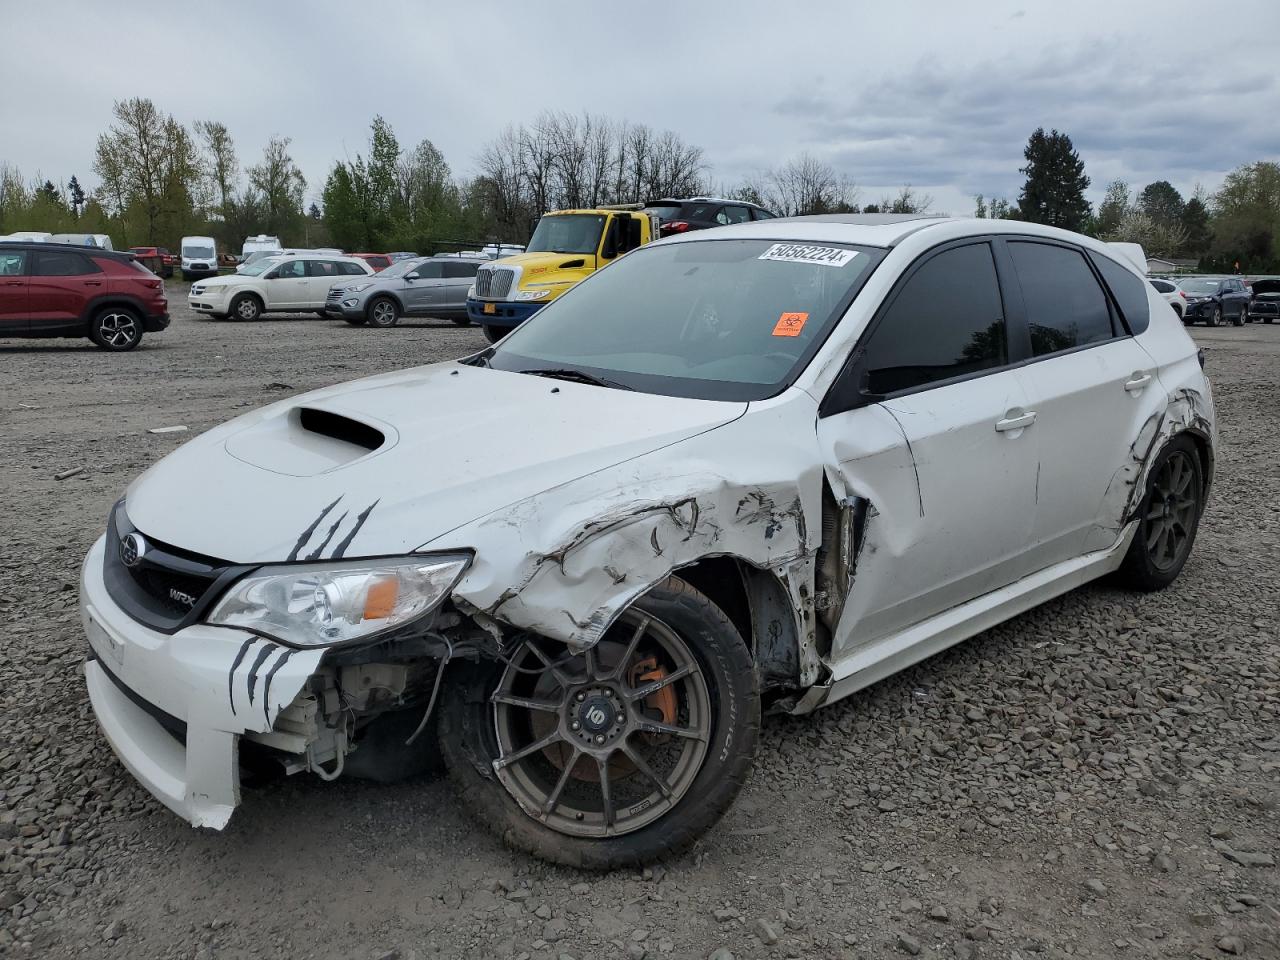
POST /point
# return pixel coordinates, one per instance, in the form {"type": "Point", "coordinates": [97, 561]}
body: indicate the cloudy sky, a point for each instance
{"type": "Point", "coordinates": [925, 93]}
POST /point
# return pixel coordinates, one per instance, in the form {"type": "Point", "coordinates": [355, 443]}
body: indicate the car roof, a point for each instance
{"type": "Point", "coordinates": [63, 247]}
{"type": "Point", "coordinates": [668, 200]}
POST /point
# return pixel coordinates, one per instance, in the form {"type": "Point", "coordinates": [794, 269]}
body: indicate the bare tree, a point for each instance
{"type": "Point", "coordinates": [281, 186]}
{"type": "Point", "coordinates": [806, 185]}
{"type": "Point", "coordinates": [221, 165]}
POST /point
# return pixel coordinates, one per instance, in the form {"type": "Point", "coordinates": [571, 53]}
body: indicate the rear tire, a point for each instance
{"type": "Point", "coordinates": [1169, 516]}
{"type": "Point", "coordinates": [246, 308]}
{"type": "Point", "coordinates": [716, 697]}
{"type": "Point", "coordinates": [116, 329]}
{"type": "Point", "coordinates": [382, 312]}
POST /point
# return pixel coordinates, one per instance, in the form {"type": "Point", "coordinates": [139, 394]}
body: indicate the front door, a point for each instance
{"type": "Point", "coordinates": [14, 304]}
{"type": "Point", "coordinates": [936, 449]}
{"type": "Point", "coordinates": [424, 294]}
{"type": "Point", "coordinates": [289, 288]}
{"type": "Point", "coordinates": [321, 275]}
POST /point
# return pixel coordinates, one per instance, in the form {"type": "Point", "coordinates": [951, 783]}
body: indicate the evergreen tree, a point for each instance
{"type": "Point", "coordinates": [1112, 210]}
{"type": "Point", "coordinates": [50, 193]}
{"type": "Point", "coordinates": [1162, 203]}
{"type": "Point", "coordinates": [77, 195]}
{"type": "Point", "coordinates": [1195, 220]}
{"type": "Point", "coordinates": [1053, 193]}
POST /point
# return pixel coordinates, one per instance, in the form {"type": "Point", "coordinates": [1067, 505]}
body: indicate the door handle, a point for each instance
{"type": "Point", "coordinates": [1016, 419]}
{"type": "Point", "coordinates": [1137, 381]}
{"type": "Point", "coordinates": [93, 283]}
{"type": "Point", "coordinates": [14, 283]}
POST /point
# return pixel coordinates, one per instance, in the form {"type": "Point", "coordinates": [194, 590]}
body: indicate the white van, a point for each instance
{"type": "Point", "coordinates": [99, 240]}
{"type": "Point", "coordinates": [199, 258]}
{"type": "Point", "coordinates": [29, 236]}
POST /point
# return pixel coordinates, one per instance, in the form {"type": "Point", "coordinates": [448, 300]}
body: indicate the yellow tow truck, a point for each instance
{"type": "Point", "coordinates": [566, 247]}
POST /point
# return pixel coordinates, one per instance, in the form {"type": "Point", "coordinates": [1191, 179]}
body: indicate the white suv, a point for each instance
{"type": "Point", "coordinates": [764, 465]}
{"type": "Point", "coordinates": [287, 284]}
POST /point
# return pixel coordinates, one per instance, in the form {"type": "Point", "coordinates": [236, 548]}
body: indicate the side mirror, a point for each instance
{"type": "Point", "coordinates": [412, 276]}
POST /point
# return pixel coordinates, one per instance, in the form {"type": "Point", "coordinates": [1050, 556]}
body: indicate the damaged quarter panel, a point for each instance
{"type": "Point", "coordinates": [565, 562]}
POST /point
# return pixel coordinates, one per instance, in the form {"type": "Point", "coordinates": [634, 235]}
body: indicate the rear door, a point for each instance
{"type": "Point", "coordinates": [321, 275]}
{"type": "Point", "coordinates": [60, 286]}
{"type": "Point", "coordinates": [459, 275]}
{"type": "Point", "coordinates": [926, 436]}
{"type": "Point", "coordinates": [1091, 389]}
{"type": "Point", "coordinates": [424, 295]}
{"type": "Point", "coordinates": [14, 304]}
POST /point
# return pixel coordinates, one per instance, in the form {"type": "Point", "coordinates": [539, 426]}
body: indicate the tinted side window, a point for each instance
{"type": "Point", "coordinates": [351, 269]}
{"type": "Point", "coordinates": [1129, 292]}
{"type": "Point", "coordinates": [64, 265]}
{"type": "Point", "coordinates": [292, 269]}
{"type": "Point", "coordinates": [323, 268]}
{"type": "Point", "coordinates": [461, 269]}
{"type": "Point", "coordinates": [430, 270]}
{"type": "Point", "coordinates": [13, 263]}
{"type": "Point", "coordinates": [761, 214]}
{"type": "Point", "coordinates": [1065, 306]}
{"type": "Point", "coordinates": [733, 215]}
{"type": "Point", "coordinates": [946, 321]}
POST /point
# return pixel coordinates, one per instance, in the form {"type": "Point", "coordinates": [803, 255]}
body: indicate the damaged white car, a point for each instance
{"type": "Point", "coordinates": [759, 467]}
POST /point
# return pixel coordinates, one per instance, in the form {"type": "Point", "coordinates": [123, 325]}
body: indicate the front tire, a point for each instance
{"type": "Point", "coordinates": [383, 312]}
{"type": "Point", "coordinates": [116, 329]}
{"type": "Point", "coordinates": [1215, 318]}
{"type": "Point", "coordinates": [245, 307]}
{"type": "Point", "coordinates": [462, 321]}
{"type": "Point", "coordinates": [619, 756]}
{"type": "Point", "coordinates": [1244, 316]}
{"type": "Point", "coordinates": [1168, 518]}
{"type": "Point", "coordinates": [493, 334]}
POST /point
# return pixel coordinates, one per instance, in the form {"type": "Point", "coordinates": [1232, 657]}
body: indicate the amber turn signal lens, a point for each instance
{"type": "Point", "coordinates": [380, 600]}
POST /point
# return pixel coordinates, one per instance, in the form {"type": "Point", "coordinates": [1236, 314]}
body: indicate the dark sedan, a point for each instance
{"type": "Point", "coordinates": [701, 213]}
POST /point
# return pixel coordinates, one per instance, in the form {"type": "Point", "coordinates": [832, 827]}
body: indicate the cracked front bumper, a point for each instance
{"type": "Point", "coordinates": [173, 706]}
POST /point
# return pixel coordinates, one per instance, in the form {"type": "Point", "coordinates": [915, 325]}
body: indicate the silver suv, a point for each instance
{"type": "Point", "coordinates": [421, 287]}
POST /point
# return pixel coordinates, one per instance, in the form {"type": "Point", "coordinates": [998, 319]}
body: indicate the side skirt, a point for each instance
{"type": "Point", "coordinates": [869, 665]}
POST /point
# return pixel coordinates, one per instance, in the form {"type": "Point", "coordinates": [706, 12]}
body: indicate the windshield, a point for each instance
{"type": "Point", "coordinates": [714, 319]}
{"type": "Point", "coordinates": [567, 233]}
{"type": "Point", "coordinates": [401, 267]}
{"type": "Point", "coordinates": [1200, 286]}
{"type": "Point", "coordinates": [258, 267]}
{"type": "Point", "coordinates": [192, 252]}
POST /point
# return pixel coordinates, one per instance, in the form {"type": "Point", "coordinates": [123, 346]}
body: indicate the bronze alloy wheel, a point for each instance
{"type": "Point", "coordinates": [603, 743]}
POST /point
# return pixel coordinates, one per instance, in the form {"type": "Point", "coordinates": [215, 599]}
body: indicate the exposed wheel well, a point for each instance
{"type": "Point", "coordinates": [756, 602]}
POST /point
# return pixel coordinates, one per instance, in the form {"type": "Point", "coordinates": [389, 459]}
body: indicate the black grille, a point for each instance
{"type": "Point", "coordinates": [168, 588]}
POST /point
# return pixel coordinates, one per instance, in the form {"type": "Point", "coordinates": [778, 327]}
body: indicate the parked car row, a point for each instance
{"type": "Point", "coordinates": [1217, 300]}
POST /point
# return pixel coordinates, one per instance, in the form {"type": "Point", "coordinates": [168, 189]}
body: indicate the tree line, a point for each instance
{"type": "Point", "coordinates": [159, 180]}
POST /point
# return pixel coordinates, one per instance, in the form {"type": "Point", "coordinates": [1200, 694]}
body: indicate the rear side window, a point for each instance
{"type": "Point", "coordinates": [64, 265]}
{"type": "Point", "coordinates": [323, 268]}
{"type": "Point", "coordinates": [350, 269]}
{"type": "Point", "coordinates": [761, 214]}
{"type": "Point", "coordinates": [947, 320]}
{"type": "Point", "coordinates": [1129, 292]}
{"type": "Point", "coordinates": [13, 263]}
{"type": "Point", "coordinates": [460, 269]}
{"type": "Point", "coordinates": [1065, 306]}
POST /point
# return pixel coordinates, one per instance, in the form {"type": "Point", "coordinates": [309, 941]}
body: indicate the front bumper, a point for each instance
{"type": "Point", "coordinates": [190, 696]}
{"type": "Point", "coordinates": [505, 313]}
{"type": "Point", "coordinates": [332, 309]}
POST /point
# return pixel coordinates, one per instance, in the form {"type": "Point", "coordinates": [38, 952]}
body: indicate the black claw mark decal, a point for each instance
{"type": "Point", "coordinates": [257, 665]}
{"type": "Point", "coordinates": [315, 554]}
{"type": "Point", "coordinates": [244, 648]}
{"type": "Point", "coordinates": [306, 534]}
{"type": "Point", "coordinates": [341, 548]}
{"type": "Point", "coordinates": [266, 684]}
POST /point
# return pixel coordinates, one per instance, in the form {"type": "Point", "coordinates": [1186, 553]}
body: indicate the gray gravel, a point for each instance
{"type": "Point", "coordinates": [1097, 778]}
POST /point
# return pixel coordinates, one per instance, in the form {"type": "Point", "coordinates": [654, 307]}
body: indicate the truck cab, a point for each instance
{"type": "Point", "coordinates": [566, 247]}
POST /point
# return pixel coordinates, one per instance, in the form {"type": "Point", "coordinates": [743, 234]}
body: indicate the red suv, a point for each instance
{"type": "Point", "coordinates": [53, 290]}
{"type": "Point", "coordinates": [379, 261]}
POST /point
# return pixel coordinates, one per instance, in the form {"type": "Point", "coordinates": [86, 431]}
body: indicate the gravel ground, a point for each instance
{"type": "Point", "coordinates": [1097, 778]}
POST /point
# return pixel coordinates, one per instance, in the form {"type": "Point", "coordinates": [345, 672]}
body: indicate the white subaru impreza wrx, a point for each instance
{"type": "Point", "coordinates": [755, 467]}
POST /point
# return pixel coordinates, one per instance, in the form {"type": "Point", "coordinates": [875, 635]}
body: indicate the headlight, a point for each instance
{"type": "Point", "coordinates": [532, 294]}
{"type": "Point", "coordinates": [471, 292]}
{"type": "Point", "coordinates": [319, 605]}
{"type": "Point", "coordinates": [357, 287]}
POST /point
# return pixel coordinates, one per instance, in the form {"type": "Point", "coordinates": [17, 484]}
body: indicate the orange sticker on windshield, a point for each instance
{"type": "Point", "coordinates": [790, 324]}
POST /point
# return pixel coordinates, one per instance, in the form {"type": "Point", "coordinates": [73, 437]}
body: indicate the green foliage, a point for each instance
{"type": "Point", "coordinates": [1053, 192]}
{"type": "Point", "coordinates": [1246, 216]}
{"type": "Point", "coordinates": [1112, 209]}
{"type": "Point", "coordinates": [1195, 221]}
{"type": "Point", "coordinates": [1162, 203]}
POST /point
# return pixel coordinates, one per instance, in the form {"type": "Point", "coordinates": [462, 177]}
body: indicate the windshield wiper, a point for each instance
{"type": "Point", "coordinates": [578, 376]}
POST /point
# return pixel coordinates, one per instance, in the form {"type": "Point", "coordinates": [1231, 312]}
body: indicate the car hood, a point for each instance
{"type": "Point", "coordinates": [535, 264]}
{"type": "Point", "coordinates": [1266, 287]}
{"type": "Point", "coordinates": [381, 466]}
{"type": "Point", "coordinates": [224, 281]}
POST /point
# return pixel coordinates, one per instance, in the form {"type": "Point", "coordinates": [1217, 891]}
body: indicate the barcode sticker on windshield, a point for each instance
{"type": "Point", "coordinates": [807, 253]}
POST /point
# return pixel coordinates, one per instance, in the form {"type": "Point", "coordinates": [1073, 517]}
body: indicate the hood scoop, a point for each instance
{"type": "Point", "coordinates": [308, 441]}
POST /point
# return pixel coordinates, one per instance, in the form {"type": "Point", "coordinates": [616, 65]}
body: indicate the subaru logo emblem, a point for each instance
{"type": "Point", "coordinates": [132, 549]}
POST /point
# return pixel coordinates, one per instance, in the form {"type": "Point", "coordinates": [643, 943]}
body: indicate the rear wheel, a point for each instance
{"type": "Point", "coordinates": [245, 307]}
{"type": "Point", "coordinates": [383, 312]}
{"type": "Point", "coordinates": [617, 756]}
{"type": "Point", "coordinates": [1168, 518]}
{"type": "Point", "coordinates": [116, 329]}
